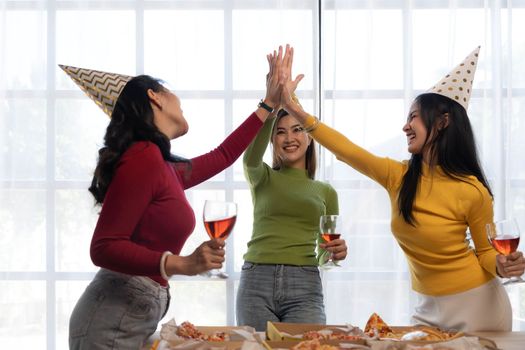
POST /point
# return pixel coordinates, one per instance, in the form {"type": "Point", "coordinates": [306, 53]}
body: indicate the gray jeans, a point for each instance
{"type": "Point", "coordinates": [279, 293]}
{"type": "Point", "coordinates": [117, 311]}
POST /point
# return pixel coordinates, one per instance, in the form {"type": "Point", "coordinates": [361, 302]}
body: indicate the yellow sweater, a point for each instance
{"type": "Point", "coordinates": [440, 260]}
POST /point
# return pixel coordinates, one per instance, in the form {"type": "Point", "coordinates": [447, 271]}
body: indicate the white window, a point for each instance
{"type": "Point", "coordinates": [364, 61]}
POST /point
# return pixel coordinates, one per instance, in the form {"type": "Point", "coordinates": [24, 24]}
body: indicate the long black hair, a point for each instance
{"type": "Point", "coordinates": [131, 121]}
{"type": "Point", "coordinates": [310, 155]}
{"type": "Point", "coordinates": [452, 147]}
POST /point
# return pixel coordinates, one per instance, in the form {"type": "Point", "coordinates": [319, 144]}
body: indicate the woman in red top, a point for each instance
{"type": "Point", "coordinates": [145, 215]}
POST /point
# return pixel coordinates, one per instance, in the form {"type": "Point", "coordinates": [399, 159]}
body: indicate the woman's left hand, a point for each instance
{"type": "Point", "coordinates": [510, 265]}
{"type": "Point", "coordinates": [274, 76]}
{"type": "Point", "coordinates": [337, 248]}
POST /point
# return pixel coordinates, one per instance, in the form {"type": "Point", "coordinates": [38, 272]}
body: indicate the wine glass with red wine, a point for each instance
{"type": "Point", "coordinates": [330, 226]}
{"type": "Point", "coordinates": [219, 218]}
{"type": "Point", "coordinates": [504, 236]}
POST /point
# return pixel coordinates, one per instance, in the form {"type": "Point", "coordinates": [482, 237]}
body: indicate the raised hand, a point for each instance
{"type": "Point", "coordinates": [289, 104]}
{"type": "Point", "coordinates": [291, 85]}
{"type": "Point", "coordinates": [273, 87]}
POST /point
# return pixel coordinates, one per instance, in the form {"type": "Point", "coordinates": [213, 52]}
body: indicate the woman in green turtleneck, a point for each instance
{"type": "Point", "coordinates": [280, 279]}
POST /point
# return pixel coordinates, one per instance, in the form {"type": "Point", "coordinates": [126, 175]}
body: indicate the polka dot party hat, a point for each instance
{"type": "Point", "coordinates": [457, 85]}
{"type": "Point", "coordinates": [102, 87]}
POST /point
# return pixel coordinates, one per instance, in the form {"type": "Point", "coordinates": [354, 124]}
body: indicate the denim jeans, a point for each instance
{"type": "Point", "coordinates": [117, 311]}
{"type": "Point", "coordinates": [279, 293]}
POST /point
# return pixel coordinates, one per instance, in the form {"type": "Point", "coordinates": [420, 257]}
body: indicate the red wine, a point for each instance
{"type": "Point", "coordinates": [220, 228]}
{"type": "Point", "coordinates": [506, 244]}
{"type": "Point", "coordinates": [328, 237]}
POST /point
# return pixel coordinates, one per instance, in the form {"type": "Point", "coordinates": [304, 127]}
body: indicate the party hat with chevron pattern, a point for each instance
{"type": "Point", "coordinates": [102, 87]}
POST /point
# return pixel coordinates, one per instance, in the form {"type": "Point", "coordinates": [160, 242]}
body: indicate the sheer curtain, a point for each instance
{"type": "Point", "coordinates": [376, 57]}
{"type": "Point", "coordinates": [363, 60]}
{"type": "Point", "coordinates": [211, 53]}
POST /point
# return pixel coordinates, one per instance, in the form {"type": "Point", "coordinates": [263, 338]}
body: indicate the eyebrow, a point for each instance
{"type": "Point", "coordinates": [293, 126]}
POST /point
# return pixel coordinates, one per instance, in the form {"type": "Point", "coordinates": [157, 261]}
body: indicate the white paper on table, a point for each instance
{"type": "Point", "coordinates": [252, 345]}
{"type": "Point", "coordinates": [245, 334]}
{"type": "Point", "coordinates": [463, 343]}
{"type": "Point", "coordinates": [200, 345]}
{"type": "Point", "coordinates": [168, 331]}
{"type": "Point", "coordinates": [353, 346]}
{"type": "Point", "coordinates": [170, 340]}
{"type": "Point", "coordinates": [352, 330]}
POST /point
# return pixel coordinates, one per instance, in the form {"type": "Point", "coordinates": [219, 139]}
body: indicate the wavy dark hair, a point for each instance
{"type": "Point", "coordinates": [452, 147]}
{"type": "Point", "coordinates": [311, 155]}
{"type": "Point", "coordinates": [131, 121]}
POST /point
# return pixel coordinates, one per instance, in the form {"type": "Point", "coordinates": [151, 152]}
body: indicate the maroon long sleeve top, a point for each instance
{"type": "Point", "coordinates": [145, 210]}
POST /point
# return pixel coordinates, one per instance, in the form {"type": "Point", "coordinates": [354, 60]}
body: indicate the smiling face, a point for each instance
{"type": "Point", "coordinates": [290, 142]}
{"type": "Point", "coordinates": [415, 130]}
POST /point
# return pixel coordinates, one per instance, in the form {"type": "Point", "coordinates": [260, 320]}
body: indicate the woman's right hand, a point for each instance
{"type": "Point", "coordinates": [209, 255]}
{"type": "Point", "coordinates": [337, 248]}
{"type": "Point", "coordinates": [512, 265]}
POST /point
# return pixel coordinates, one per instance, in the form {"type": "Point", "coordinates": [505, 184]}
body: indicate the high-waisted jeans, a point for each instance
{"type": "Point", "coordinates": [117, 311]}
{"type": "Point", "coordinates": [279, 293]}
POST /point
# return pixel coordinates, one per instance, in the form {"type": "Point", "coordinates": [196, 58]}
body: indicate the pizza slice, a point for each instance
{"type": "Point", "coordinates": [188, 330]}
{"type": "Point", "coordinates": [376, 325]}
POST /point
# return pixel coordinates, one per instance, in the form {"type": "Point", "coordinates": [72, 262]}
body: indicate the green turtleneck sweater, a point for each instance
{"type": "Point", "coordinates": [287, 206]}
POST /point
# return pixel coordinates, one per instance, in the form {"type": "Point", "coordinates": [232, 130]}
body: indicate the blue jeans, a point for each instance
{"type": "Point", "coordinates": [117, 311]}
{"type": "Point", "coordinates": [279, 293]}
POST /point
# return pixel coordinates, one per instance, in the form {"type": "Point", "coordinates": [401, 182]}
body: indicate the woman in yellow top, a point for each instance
{"type": "Point", "coordinates": [435, 197]}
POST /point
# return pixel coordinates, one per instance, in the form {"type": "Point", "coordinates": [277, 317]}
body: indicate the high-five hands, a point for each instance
{"type": "Point", "coordinates": [279, 75]}
{"type": "Point", "coordinates": [291, 85]}
{"type": "Point", "coordinates": [288, 87]}
{"type": "Point", "coordinates": [273, 88]}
